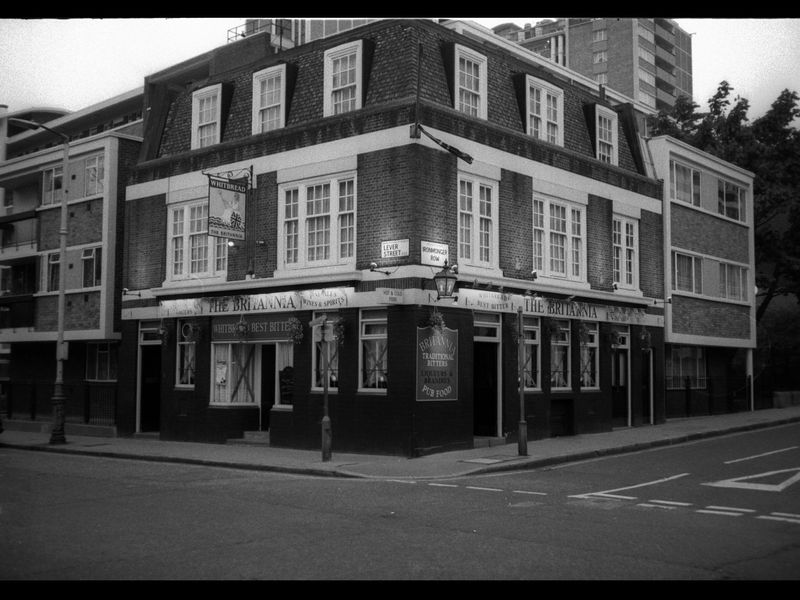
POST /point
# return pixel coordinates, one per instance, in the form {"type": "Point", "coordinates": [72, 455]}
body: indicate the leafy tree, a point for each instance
{"type": "Point", "coordinates": [770, 148]}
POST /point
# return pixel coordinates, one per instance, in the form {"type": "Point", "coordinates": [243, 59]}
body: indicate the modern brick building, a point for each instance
{"type": "Point", "coordinates": [648, 59]}
{"type": "Point", "coordinates": [528, 177]}
{"type": "Point", "coordinates": [103, 146]}
{"type": "Point", "coordinates": [710, 324]}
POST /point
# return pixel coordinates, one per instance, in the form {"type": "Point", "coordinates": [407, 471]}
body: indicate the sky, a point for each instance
{"type": "Point", "coordinates": [73, 63]}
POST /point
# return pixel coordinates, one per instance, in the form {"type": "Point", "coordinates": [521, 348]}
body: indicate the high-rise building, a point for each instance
{"type": "Point", "coordinates": [649, 60]}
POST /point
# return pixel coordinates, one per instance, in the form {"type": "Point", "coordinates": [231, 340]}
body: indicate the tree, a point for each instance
{"type": "Point", "coordinates": [770, 148]}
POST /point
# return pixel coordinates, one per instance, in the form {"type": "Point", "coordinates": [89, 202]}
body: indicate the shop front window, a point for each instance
{"type": "Point", "coordinates": [559, 355]}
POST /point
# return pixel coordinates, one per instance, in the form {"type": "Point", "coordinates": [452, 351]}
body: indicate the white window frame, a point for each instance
{"type": "Point", "coordinates": [609, 138]}
{"type": "Point", "coordinates": [53, 272]}
{"type": "Point", "coordinates": [544, 104]}
{"type": "Point", "coordinates": [599, 57]}
{"type": "Point", "coordinates": [92, 258]}
{"type": "Point", "coordinates": [94, 174]}
{"type": "Point", "coordinates": [599, 35]}
{"type": "Point", "coordinates": [695, 183]}
{"type": "Point", "coordinates": [625, 257]}
{"type": "Point", "coordinates": [225, 374]}
{"type": "Point", "coordinates": [101, 353]}
{"type": "Point", "coordinates": [601, 78]}
{"type": "Point", "coordinates": [369, 317]}
{"type": "Point", "coordinates": [740, 193]}
{"type": "Point", "coordinates": [733, 282]}
{"type": "Point", "coordinates": [590, 355]}
{"type": "Point", "coordinates": [52, 185]}
{"type": "Point", "coordinates": [472, 209]}
{"type": "Point", "coordinates": [532, 368]}
{"type": "Point", "coordinates": [180, 255]}
{"type": "Point", "coordinates": [546, 234]}
{"type": "Point", "coordinates": [482, 63]}
{"type": "Point", "coordinates": [331, 56]}
{"type": "Point", "coordinates": [277, 100]}
{"type": "Point", "coordinates": [696, 274]}
{"type": "Point", "coordinates": [317, 384]}
{"type": "Point", "coordinates": [342, 222]}
{"type": "Point", "coordinates": [212, 91]}
{"type": "Point", "coordinates": [561, 336]}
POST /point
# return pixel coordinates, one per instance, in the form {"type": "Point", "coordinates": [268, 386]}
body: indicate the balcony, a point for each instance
{"type": "Point", "coordinates": [18, 235]}
{"type": "Point", "coordinates": [16, 311]}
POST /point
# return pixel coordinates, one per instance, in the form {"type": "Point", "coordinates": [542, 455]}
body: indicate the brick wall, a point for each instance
{"type": "Point", "coordinates": [651, 254]}
{"type": "Point", "coordinates": [599, 249]}
{"type": "Point", "coordinates": [696, 316]}
{"type": "Point", "coordinates": [700, 232]}
{"type": "Point", "coordinates": [145, 242]}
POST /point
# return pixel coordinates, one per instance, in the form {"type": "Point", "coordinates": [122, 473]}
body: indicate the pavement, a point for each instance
{"type": "Point", "coordinates": [503, 457]}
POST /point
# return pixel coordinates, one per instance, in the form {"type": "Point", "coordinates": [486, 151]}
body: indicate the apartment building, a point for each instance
{"type": "Point", "coordinates": [363, 166]}
{"type": "Point", "coordinates": [102, 144]}
{"type": "Point", "coordinates": [649, 59]}
{"type": "Point", "coordinates": [709, 320]}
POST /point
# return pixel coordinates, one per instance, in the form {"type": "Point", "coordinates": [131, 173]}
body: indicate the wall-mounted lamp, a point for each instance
{"type": "Point", "coordinates": [615, 286]}
{"type": "Point", "coordinates": [127, 292]}
{"type": "Point", "coordinates": [445, 281]}
{"type": "Point", "coordinates": [534, 275]}
{"type": "Point", "coordinates": [373, 267]}
{"type": "Point", "coordinates": [569, 299]}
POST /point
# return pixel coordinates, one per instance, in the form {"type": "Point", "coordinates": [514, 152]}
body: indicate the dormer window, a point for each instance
{"type": "Point", "coordinates": [545, 111]}
{"type": "Point", "coordinates": [343, 78]}
{"type": "Point", "coordinates": [471, 79]}
{"type": "Point", "coordinates": [606, 135]}
{"type": "Point", "coordinates": [206, 116]}
{"type": "Point", "coordinates": [269, 104]}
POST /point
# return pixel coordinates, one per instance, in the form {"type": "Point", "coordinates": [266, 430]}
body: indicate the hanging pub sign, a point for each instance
{"type": "Point", "coordinates": [226, 204]}
{"type": "Point", "coordinates": [437, 363]}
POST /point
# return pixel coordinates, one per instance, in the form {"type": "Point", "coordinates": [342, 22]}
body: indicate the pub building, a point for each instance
{"type": "Point", "coordinates": [378, 165]}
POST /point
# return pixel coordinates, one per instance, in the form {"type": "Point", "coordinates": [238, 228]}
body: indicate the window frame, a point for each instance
{"type": "Point", "coordinates": [300, 216]}
{"type": "Point", "coordinates": [52, 185]}
{"type": "Point", "coordinates": [94, 261]}
{"type": "Point", "coordinates": [53, 273]}
{"type": "Point", "coordinates": [723, 206]}
{"type": "Point", "coordinates": [696, 275]}
{"type": "Point", "coordinates": [247, 352]}
{"type": "Point", "coordinates": [331, 55]}
{"type": "Point", "coordinates": [317, 385]}
{"type": "Point", "coordinates": [742, 272]}
{"type": "Point", "coordinates": [543, 258]}
{"type": "Point", "coordinates": [372, 316]}
{"type": "Point", "coordinates": [545, 89]}
{"type": "Point", "coordinates": [482, 62]}
{"type": "Point", "coordinates": [477, 217]}
{"type": "Point", "coordinates": [589, 353]}
{"type": "Point", "coordinates": [531, 330]}
{"type": "Point", "coordinates": [216, 249]}
{"type": "Point", "coordinates": [259, 77]}
{"type": "Point", "coordinates": [695, 183]}
{"type": "Point", "coordinates": [698, 381]}
{"type": "Point", "coordinates": [185, 354]}
{"type": "Point", "coordinates": [94, 352]}
{"type": "Point", "coordinates": [559, 328]}
{"type": "Point", "coordinates": [625, 252]}
{"type": "Point", "coordinates": [94, 184]}
{"type": "Point", "coordinates": [211, 91]}
{"type": "Point", "coordinates": [601, 112]}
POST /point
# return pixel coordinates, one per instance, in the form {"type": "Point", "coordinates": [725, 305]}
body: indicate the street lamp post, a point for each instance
{"type": "Point", "coordinates": [57, 434]}
{"type": "Point", "coordinates": [522, 435]}
{"type": "Point", "coordinates": [327, 435]}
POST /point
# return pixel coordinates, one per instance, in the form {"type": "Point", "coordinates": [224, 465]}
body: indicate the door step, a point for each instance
{"type": "Point", "coordinates": [252, 438]}
{"type": "Point", "coordinates": [485, 441]}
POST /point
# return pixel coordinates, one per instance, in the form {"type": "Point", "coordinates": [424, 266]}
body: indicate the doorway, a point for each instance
{"type": "Point", "coordinates": [619, 387]}
{"type": "Point", "coordinates": [150, 389]}
{"type": "Point", "coordinates": [647, 387]}
{"type": "Point", "coordinates": [267, 383]}
{"type": "Point", "coordinates": [484, 387]}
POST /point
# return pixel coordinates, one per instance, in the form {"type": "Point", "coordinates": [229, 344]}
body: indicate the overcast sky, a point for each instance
{"type": "Point", "coordinates": [74, 63]}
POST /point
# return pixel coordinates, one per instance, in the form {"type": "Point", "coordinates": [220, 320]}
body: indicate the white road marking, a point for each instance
{"type": "Point", "coordinates": [402, 481]}
{"type": "Point", "coordinates": [483, 489]}
{"type": "Point", "coordinates": [532, 493]}
{"type": "Point", "coordinates": [739, 482]}
{"type": "Point", "coordinates": [442, 485]}
{"type": "Point", "coordinates": [719, 512]}
{"type": "Point", "coordinates": [730, 462]}
{"type": "Point", "coordinates": [783, 514]}
{"type": "Point", "coordinates": [648, 505]}
{"type": "Point", "coordinates": [671, 503]}
{"type": "Point", "coordinates": [775, 518]}
{"type": "Point", "coordinates": [608, 493]}
{"type": "Point", "coordinates": [731, 508]}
